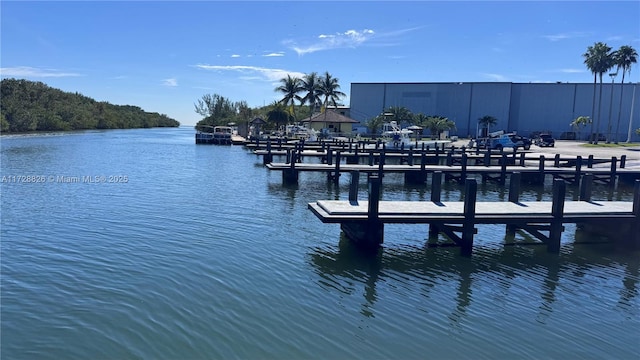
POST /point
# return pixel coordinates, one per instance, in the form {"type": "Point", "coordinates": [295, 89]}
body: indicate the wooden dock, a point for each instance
{"type": "Point", "coordinates": [363, 221]}
{"type": "Point", "coordinates": [417, 173]}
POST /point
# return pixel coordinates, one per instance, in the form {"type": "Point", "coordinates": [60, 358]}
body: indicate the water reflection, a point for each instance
{"type": "Point", "coordinates": [347, 270]}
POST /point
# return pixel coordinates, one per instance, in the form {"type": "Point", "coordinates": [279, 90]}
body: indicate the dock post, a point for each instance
{"type": "Point", "coordinates": [635, 227]}
{"type": "Point", "coordinates": [487, 158]}
{"type": "Point", "coordinates": [576, 179]}
{"type": "Point", "coordinates": [381, 164]}
{"type": "Point", "coordinates": [522, 159]}
{"type": "Point", "coordinates": [585, 187]}
{"type": "Point", "coordinates": [556, 161]}
{"type": "Point", "coordinates": [557, 212]}
{"type": "Point", "coordinates": [268, 157]}
{"type": "Point", "coordinates": [590, 161]}
{"type": "Point", "coordinates": [463, 172]}
{"type": "Point", "coordinates": [288, 157]}
{"type": "Point", "coordinates": [541, 170]}
{"type": "Point", "coordinates": [470, 192]}
{"type": "Point", "coordinates": [436, 187]}
{"type": "Point", "coordinates": [353, 186]}
{"type": "Point", "coordinates": [503, 169]}
{"type": "Point", "coordinates": [336, 175]}
{"type": "Point", "coordinates": [612, 174]}
{"type": "Point", "coordinates": [374, 227]}
{"type": "Point", "coordinates": [290, 175]}
{"type": "Point", "coordinates": [410, 157]}
{"type": "Point", "coordinates": [514, 197]}
{"type": "Point", "coordinates": [623, 161]}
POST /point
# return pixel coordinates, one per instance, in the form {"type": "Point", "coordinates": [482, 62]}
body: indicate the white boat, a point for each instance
{"type": "Point", "coordinates": [298, 132]}
{"type": "Point", "coordinates": [397, 138]}
{"type": "Point", "coordinates": [222, 135]}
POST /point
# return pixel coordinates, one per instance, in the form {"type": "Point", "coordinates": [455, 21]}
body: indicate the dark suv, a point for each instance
{"type": "Point", "coordinates": [545, 140]}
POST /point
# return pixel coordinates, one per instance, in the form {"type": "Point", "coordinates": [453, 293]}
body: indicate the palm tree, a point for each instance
{"type": "Point", "coordinates": [329, 89]}
{"type": "Point", "coordinates": [400, 113]}
{"type": "Point", "coordinates": [375, 123]}
{"type": "Point", "coordinates": [438, 124]}
{"type": "Point", "coordinates": [486, 121]}
{"type": "Point", "coordinates": [580, 121]}
{"type": "Point", "coordinates": [420, 119]}
{"type": "Point", "coordinates": [599, 60]}
{"type": "Point", "coordinates": [310, 84]}
{"type": "Point", "coordinates": [290, 87]}
{"type": "Point", "coordinates": [278, 114]}
{"type": "Point", "coordinates": [625, 57]}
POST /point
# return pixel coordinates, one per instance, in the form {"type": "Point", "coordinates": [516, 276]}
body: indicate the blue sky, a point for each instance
{"type": "Point", "coordinates": [163, 56]}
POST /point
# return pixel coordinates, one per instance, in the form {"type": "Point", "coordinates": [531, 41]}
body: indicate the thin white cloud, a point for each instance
{"type": "Point", "coordinates": [266, 73]}
{"type": "Point", "coordinates": [572, 71]}
{"type": "Point", "coordinates": [565, 36]}
{"type": "Point", "coordinates": [496, 77]}
{"type": "Point", "coordinates": [172, 82]}
{"type": "Point", "coordinates": [235, 56]}
{"type": "Point", "coordinates": [29, 72]}
{"type": "Point", "coordinates": [274, 54]}
{"type": "Point", "coordinates": [347, 39]}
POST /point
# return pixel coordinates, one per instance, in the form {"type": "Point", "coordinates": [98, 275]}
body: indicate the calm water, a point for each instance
{"type": "Point", "coordinates": [201, 252]}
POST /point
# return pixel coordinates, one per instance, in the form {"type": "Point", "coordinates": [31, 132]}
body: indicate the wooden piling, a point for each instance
{"type": "Point", "coordinates": [514, 197]}
{"type": "Point", "coordinates": [557, 211]}
{"type": "Point", "coordinates": [586, 185]}
{"type": "Point", "coordinates": [353, 186]}
{"type": "Point", "coordinates": [468, 229]}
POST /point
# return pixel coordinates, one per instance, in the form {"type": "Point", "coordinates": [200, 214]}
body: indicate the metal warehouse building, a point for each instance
{"type": "Point", "coordinates": [520, 107]}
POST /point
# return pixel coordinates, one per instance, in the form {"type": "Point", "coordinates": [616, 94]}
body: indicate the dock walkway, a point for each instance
{"type": "Point", "coordinates": [363, 221]}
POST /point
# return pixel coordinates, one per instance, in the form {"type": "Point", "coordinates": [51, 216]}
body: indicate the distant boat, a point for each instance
{"type": "Point", "coordinates": [397, 138]}
{"type": "Point", "coordinates": [219, 135]}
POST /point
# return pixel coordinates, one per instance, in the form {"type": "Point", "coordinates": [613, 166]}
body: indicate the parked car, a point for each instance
{"type": "Point", "coordinates": [509, 140]}
{"type": "Point", "coordinates": [545, 140]}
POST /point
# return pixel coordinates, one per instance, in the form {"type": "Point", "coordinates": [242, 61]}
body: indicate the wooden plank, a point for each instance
{"type": "Point", "coordinates": [335, 211]}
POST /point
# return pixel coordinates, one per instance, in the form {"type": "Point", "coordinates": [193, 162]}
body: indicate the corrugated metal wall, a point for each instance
{"type": "Point", "coordinates": [524, 108]}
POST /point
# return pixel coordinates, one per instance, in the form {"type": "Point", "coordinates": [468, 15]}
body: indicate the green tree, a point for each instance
{"type": "Point", "coordinates": [580, 122]}
{"type": "Point", "coordinates": [311, 86]}
{"type": "Point", "coordinates": [625, 57]}
{"type": "Point", "coordinates": [438, 124]}
{"type": "Point", "coordinates": [278, 115]}
{"type": "Point", "coordinates": [599, 60]}
{"type": "Point", "coordinates": [34, 106]}
{"type": "Point", "coordinates": [375, 123]}
{"type": "Point", "coordinates": [217, 110]}
{"type": "Point", "coordinates": [399, 114]}
{"type": "Point", "coordinates": [290, 87]}
{"type": "Point", "coordinates": [330, 90]}
{"type": "Point", "coordinates": [487, 121]}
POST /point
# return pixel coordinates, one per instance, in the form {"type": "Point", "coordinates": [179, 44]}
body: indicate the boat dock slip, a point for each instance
{"type": "Point", "coordinates": [363, 221]}
{"type": "Point", "coordinates": [418, 173]}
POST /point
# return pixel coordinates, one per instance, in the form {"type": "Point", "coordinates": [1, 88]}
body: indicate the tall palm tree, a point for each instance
{"type": "Point", "coordinates": [625, 57]}
{"type": "Point", "coordinates": [310, 84]}
{"type": "Point", "coordinates": [290, 87]}
{"type": "Point", "coordinates": [330, 90]}
{"type": "Point", "coordinates": [599, 59]}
